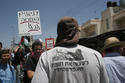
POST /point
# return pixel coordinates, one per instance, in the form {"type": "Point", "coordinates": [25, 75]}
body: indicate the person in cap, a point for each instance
{"type": "Point", "coordinates": [112, 47]}
{"type": "Point", "coordinates": [114, 59]}
{"type": "Point", "coordinates": [69, 62]}
{"type": "Point", "coordinates": [32, 60]}
{"type": "Point", "coordinates": [7, 71]}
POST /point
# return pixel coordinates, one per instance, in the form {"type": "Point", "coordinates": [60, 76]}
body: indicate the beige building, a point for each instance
{"type": "Point", "coordinates": [90, 28]}
{"type": "Point", "coordinates": [107, 20]}
{"type": "Point", "coordinates": [119, 19]}
{"type": "Point", "coordinates": [112, 18]}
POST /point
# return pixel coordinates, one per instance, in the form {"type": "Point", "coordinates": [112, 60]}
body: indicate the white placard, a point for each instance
{"type": "Point", "coordinates": [29, 23]}
{"type": "Point", "coordinates": [49, 43]}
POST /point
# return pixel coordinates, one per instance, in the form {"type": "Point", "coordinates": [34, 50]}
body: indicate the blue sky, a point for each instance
{"type": "Point", "coordinates": [50, 13]}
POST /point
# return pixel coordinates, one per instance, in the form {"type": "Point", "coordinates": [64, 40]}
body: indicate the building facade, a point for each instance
{"type": "Point", "coordinates": [90, 28]}
{"type": "Point", "coordinates": [112, 18]}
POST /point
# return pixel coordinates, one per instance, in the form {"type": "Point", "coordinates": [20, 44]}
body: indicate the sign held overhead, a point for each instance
{"type": "Point", "coordinates": [29, 23]}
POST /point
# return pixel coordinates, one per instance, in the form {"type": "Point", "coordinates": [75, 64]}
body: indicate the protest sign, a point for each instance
{"type": "Point", "coordinates": [49, 43]}
{"type": "Point", "coordinates": [29, 23]}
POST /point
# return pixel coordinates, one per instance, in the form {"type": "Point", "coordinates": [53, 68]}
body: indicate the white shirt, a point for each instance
{"type": "Point", "coordinates": [77, 64]}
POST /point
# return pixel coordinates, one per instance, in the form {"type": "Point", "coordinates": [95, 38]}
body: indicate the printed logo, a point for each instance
{"type": "Point", "coordinates": [68, 61]}
{"type": "Point", "coordinates": [77, 55]}
{"type": "Point", "coordinates": [62, 55]}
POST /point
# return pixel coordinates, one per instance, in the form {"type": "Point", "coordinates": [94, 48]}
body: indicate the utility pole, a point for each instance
{"type": "Point", "coordinates": [13, 37]}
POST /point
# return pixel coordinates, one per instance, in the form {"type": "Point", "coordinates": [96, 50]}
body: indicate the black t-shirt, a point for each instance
{"type": "Point", "coordinates": [31, 64]}
{"type": "Point", "coordinates": [18, 58]}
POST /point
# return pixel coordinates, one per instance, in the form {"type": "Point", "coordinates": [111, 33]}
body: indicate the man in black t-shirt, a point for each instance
{"type": "Point", "coordinates": [32, 61]}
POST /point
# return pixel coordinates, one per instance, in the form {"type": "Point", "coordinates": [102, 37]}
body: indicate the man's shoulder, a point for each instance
{"type": "Point", "coordinates": [71, 48]}
{"type": "Point", "coordinates": [87, 49]}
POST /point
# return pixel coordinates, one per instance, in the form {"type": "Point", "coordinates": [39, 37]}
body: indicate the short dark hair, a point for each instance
{"type": "Point", "coordinates": [4, 51]}
{"type": "Point", "coordinates": [35, 44]}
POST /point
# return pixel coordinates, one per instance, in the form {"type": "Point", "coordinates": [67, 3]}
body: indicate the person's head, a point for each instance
{"type": "Point", "coordinates": [37, 47]}
{"type": "Point", "coordinates": [67, 31]}
{"type": "Point", "coordinates": [113, 44]}
{"type": "Point", "coordinates": [1, 45]}
{"type": "Point", "coordinates": [20, 49]}
{"type": "Point", "coordinates": [4, 56]}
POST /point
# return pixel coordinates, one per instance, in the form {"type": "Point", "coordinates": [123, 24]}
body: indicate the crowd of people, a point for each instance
{"type": "Point", "coordinates": [18, 66]}
{"type": "Point", "coordinates": [67, 62]}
